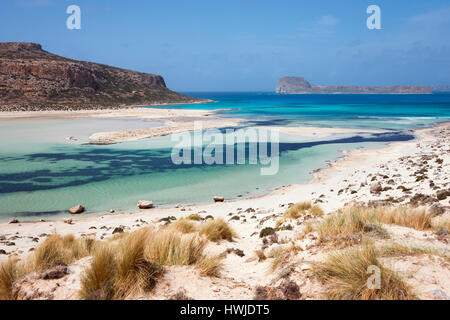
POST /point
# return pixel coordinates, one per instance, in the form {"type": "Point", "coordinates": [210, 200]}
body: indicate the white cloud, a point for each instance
{"type": "Point", "coordinates": [327, 21]}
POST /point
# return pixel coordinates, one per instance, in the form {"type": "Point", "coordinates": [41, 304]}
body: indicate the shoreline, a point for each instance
{"type": "Point", "coordinates": [323, 185]}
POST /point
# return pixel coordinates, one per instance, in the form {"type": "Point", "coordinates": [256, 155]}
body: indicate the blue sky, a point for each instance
{"type": "Point", "coordinates": [245, 45]}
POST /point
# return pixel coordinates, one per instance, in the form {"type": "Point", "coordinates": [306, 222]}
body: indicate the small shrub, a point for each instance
{"type": "Point", "coordinates": [316, 211]}
{"type": "Point", "coordinates": [296, 210]}
{"type": "Point", "coordinates": [216, 230]}
{"type": "Point", "coordinates": [266, 232]}
{"type": "Point", "coordinates": [194, 217]}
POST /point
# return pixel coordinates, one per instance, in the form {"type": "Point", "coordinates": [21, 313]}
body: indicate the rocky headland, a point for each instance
{"type": "Point", "coordinates": [298, 85]}
{"type": "Point", "coordinates": [32, 79]}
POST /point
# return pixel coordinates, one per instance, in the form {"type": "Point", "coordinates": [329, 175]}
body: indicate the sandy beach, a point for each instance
{"type": "Point", "coordinates": [395, 167]}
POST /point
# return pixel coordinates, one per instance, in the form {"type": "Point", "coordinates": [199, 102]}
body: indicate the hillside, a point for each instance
{"type": "Point", "coordinates": [34, 79]}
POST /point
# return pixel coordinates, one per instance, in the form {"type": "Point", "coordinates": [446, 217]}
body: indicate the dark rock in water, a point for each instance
{"type": "Point", "coordinates": [218, 199]}
{"type": "Point", "coordinates": [34, 79]}
{"type": "Point", "coordinates": [3, 251]}
{"type": "Point", "coordinates": [14, 221]}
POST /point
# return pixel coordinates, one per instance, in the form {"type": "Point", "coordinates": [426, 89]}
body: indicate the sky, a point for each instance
{"type": "Point", "coordinates": [245, 45]}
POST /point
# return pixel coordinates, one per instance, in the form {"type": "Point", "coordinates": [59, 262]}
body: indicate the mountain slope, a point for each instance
{"type": "Point", "coordinates": [34, 79]}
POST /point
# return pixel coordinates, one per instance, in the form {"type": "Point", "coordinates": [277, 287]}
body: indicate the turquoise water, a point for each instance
{"type": "Point", "coordinates": [43, 173]}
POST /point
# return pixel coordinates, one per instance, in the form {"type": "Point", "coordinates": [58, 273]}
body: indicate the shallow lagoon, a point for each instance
{"type": "Point", "coordinates": [43, 173]}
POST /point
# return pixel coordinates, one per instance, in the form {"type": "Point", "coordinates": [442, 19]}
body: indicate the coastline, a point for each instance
{"type": "Point", "coordinates": [323, 189]}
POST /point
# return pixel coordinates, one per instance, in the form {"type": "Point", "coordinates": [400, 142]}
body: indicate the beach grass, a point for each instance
{"type": "Point", "coordinates": [57, 249]}
{"type": "Point", "coordinates": [139, 260]}
{"type": "Point", "coordinates": [10, 271]}
{"type": "Point", "coordinates": [216, 230]}
{"type": "Point", "coordinates": [346, 273]}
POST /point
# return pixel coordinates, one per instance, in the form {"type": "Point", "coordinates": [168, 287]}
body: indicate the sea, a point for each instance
{"type": "Point", "coordinates": [47, 167]}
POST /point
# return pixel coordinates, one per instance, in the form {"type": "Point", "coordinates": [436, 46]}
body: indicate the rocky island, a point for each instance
{"type": "Point", "coordinates": [298, 85]}
{"type": "Point", "coordinates": [34, 79]}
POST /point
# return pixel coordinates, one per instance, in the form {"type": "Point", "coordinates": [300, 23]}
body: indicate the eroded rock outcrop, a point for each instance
{"type": "Point", "coordinates": [34, 79]}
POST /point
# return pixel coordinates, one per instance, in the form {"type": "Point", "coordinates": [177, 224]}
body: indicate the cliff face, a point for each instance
{"type": "Point", "coordinates": [298, 85]}
{"type": "Point", "coordinates": [33, 79]}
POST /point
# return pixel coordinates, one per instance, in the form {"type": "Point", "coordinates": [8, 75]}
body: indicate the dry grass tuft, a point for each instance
{"type": "Point", "coordinates": [210, 265]}
{"type": "Point", "coordinates": [194, 217]}
{"type": "Point", "coordinates": [414, 218]}
{"type": "Point", "coordinates": [170, 248]}
{"type": "Point", "coordinates": [346, 274]}
{"type": "Point", "coordinates": [134, 271]}
{"type": "Point", "coordinates": [10, 271]}
{"type": "Point", "coordinates": [281, 255]}
{"type": "Point", "coordinates": [58, 249]}
{"type": "Point", "coordinates": [135, 262]}
{"type": "Point", "coordinates": [316, 211]}
{"type": "Point", "coordinates": [296, 210]}
{"type": "Point", "coordinates": [397, 249]}
{"type": "Point", "coordinates": [348, 222]}
{"type": "Point", "coordinates": [216, 230]}
{"type": "Point", "coordinates": [299, 209]}
{"type": "Point", "coordinates": [183, 225]}
{"type": "Point", "coordinates": [98, 281]}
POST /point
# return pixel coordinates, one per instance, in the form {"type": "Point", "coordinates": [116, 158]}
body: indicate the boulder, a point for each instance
{"type": "Point", "coordinates": [436, 209]}
{"type": "Point", "coordinates": [118, 230]}
{"type": "Point", "coordinates": [57, 272]}
{"type": "Point", "coordinates": [219, 199]}
{"type": "Point", "coordinates": [14, 221]}
{"type": "Point", "coordinates": [77, 209]}
{"type": "Point", "coordinates": [376, 187]}
{"type": "Point", "coordinates": [144, 204]}
{"type": "Point", "coordinates": [443, 194]}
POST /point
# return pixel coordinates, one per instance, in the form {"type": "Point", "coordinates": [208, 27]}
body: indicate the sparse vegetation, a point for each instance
{"type": "Point", "coordinates": [216, 230]}
{"type": "Point", "coordinates": [58, 249]}
{"type": "Point", "coordinates": [135, 263]}
{"type": "Point", "coordinates": [316, 211]}
{"type": "Point", "coordinates": [397, 249]}
{"type": "Point", "coordinates": [9, 272]}
{"type": "Point", "coordinates": [343, 225]}
{"type": "Point", "coordinates": [184, 226]}
{"type": "Point", "coordinates": [345, 274]}
{"type": "Point", "coordinates": [268, 231]}
{"type": "Point", "coordinates": [296, 210]}
{"type": "Point", "coordinates": [195, 217]}
{"type": "Point", "coordinates": [98, 281]}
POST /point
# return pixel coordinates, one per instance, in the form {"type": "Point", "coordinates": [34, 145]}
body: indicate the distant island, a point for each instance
{"type": "Point", "coordinates": [298, 85]}
{"type": "Point", "coordinates": [34, 79]}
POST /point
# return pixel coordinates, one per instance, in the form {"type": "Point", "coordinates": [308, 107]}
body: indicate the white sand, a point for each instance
{"type": "Point", "coordinates": [347, 180]}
